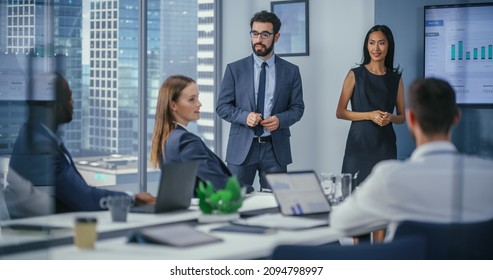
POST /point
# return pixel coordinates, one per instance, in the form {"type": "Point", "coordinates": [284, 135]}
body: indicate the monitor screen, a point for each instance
{"type": "Point", "coordinates": [459, 48]}
{"type": "Point", "coordinates": [298, 192]}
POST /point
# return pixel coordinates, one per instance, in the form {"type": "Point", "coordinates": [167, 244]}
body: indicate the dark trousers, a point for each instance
{"type": "Point", "coordinates": [260, 158]}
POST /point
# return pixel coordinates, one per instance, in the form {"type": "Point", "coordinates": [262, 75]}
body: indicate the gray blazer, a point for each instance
{"type": "Point", "coordinates": [237, 99]}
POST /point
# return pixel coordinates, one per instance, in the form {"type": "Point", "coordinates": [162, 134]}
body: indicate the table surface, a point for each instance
{"type": "Point", "coordinates": [233, 246]}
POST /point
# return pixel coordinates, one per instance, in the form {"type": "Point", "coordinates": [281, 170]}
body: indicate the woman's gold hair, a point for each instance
{"type": "Point", "coordinates": [169, 92]}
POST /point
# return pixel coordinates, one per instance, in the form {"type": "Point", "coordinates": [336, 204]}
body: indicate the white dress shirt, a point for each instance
{"type": "Point", "coordinates": [436, 184]}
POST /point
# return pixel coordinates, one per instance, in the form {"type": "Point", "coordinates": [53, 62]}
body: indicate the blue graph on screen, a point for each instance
{"type": "Point", "coordinates": [459, 49]}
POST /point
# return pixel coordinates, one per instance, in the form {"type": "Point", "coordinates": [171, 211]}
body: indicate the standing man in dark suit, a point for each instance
{"type": "Point", "coordinates": [40, 156]}
{"type": "Point", "coordinates": [259, 133]}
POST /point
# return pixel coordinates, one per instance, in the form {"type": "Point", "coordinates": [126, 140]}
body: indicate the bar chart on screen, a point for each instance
{"type": "Point", "coordinates": [459, 48]}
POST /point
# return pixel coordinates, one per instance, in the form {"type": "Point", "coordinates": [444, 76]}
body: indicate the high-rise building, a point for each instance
{"type": "Point", "coordinates": [206, 68]}
{"type": "Point", "coordinates": [173, 51]}
{"type": "Point", "coordinates": [187, 47]}
{"type": "Point", "coordinates": [67, 44]}
{"type": "Point", "coordinates": [178, 32]}
{"type": "Point", "coordinates": [113, 73]}
{"type": "Point", "coordinates": [41, 31]}
{"type": "Point", "coordinates": [180, 40]}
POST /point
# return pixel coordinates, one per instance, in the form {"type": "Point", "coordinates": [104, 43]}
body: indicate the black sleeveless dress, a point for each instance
{"type": "Point", "coordinates": [368, 143]}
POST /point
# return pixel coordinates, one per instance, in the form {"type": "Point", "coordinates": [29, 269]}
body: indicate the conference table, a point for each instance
{"type": "Point", "coordinates": [113, 236]}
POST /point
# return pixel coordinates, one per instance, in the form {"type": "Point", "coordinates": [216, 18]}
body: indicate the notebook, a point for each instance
{"type": "Point", "coordinates": [177, 235]}
{"type": "Point", "coordinates": [175, 191]}
{"type": "Point", "coordinates": [299, 193]}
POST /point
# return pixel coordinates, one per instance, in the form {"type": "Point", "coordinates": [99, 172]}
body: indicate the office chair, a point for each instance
{"type": "Point", "coordinates": [452, 241]}
{"type": "Point", "coordinates": [4, 212]}
{"type": "Point", "coordinates": [409, 248]}
{"type": "Point", "coordinates": [24, 200]}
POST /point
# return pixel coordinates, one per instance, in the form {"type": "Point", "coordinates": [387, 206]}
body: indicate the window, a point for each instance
{"type": "Point", "coordinates": [182, 52]}
{"type": "Point", "coordinates": [104, 76]}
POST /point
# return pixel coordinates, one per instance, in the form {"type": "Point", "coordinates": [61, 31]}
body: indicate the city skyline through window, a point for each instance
{"type": "Point", "coordinates": [95, 46]}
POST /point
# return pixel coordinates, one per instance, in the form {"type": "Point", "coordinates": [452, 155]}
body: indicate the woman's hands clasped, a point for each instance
{"type": "Point", "coordinates": [380, 117]}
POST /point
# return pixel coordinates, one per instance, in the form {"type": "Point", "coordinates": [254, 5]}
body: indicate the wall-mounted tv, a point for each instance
{"type": "Point", "coordinates": [459, 48]}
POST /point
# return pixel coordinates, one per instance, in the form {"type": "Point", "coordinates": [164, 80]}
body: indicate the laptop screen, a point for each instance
{"type": "Point", "coordinates": [298, 193]}
{"type": "Point", "coordinates": [176, 188]}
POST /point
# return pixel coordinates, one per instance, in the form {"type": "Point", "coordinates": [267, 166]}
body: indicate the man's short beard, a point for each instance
{"type": "Point", "coordinates": [263, 53]}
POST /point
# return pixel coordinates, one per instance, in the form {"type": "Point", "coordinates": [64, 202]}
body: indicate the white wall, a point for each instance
{"type": "Point", "coordinates": [337, 30]}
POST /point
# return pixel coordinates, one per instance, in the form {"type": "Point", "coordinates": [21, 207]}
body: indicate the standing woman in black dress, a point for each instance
{"type": "Point", "coordinates": [375, 88]}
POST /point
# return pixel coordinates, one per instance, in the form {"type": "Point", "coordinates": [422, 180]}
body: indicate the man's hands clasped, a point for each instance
{"type": "Point", "coordinates": [271, 123]}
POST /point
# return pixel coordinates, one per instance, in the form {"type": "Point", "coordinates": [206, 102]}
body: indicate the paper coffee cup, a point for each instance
{"type": "Point", "coordinates": [85, 233]}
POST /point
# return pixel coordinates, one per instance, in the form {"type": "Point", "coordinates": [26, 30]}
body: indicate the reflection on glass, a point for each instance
{"type": "Point", "coordinates": [97, 42]}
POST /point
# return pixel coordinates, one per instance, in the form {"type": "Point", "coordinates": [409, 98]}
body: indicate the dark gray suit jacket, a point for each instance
{"type": "Point", "coordinates": [237, 99]}
{"type": "Point", "coordinates": [37, 157]}
{"type": "Point", "coordinates": [182, 146]}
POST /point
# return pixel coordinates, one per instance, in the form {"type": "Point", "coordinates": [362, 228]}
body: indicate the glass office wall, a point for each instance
{"type": "Point", "coordinates": [181, 40]}
{"type": "Point", "coordinates": [95, 46]}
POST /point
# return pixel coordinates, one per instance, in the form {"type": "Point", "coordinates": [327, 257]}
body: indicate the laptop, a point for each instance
{"type": "Point", "coordinates": [175, 191]}
{"type": "Point", "coordinates": [299, 193]}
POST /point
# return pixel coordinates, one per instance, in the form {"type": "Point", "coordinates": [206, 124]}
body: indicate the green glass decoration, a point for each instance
{"type": "Point", "coordinates": [225, 201]}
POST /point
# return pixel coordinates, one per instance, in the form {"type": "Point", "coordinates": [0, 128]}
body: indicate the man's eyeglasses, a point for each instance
{"type": "Point", "coordinates": [264, 34]}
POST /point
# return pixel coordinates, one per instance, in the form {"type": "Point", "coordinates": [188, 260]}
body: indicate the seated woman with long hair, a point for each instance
{"type": "Point", "coordinates": [177, 105]}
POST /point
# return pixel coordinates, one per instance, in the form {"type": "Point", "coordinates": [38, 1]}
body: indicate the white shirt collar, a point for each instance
{"type": "Point", "coordinates": [184, 127]}
{"type": "Point", "coordinates": [269, 61]}
{"type": "Point", "coordinates": [433, 148]}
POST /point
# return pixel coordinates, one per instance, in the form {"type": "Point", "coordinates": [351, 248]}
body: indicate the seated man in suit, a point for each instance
{"type": "Point", "coordinates": [40, 156]}
{"type": "Point", "coordinates": [436, 184]}
{"type": "Point", "coordinates": [177, 105]}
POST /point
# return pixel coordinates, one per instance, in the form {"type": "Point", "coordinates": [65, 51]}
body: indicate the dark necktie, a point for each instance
{"type": "Point", "coordinates": [259, 130]}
